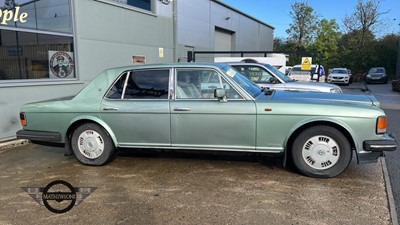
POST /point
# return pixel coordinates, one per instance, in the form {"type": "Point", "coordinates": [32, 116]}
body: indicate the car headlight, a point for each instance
{"type": "Point", "coordinates": [336, 90]}
{"type": "Point", "coordinates": [368, 75]}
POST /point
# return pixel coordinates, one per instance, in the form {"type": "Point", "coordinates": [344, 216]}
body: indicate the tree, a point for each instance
{"type": "Point", "coordinates": [302, 30]}
{"type": "Point", "coordinates": [363, 19]}
{"type": "Point", "coordinates": [386, 53]}
{"type": "Point", "coordinates": [351, 55]}
{"type": "Point", "coordinates": [327, 38]}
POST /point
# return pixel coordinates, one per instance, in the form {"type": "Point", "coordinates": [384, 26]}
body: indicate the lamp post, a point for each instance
{"type": "Point", "coordinates": [397, 76]}
{"type": "Point", "coordinates": [398, 56]}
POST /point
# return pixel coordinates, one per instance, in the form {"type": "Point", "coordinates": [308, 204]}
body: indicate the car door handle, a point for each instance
{"type": "Point", "coordinates": [182, 109]}
{"type": "Point", "coordinates": [110, 109]}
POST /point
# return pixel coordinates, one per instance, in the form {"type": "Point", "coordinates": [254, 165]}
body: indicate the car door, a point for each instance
{"type": "Point", "coordinates": [137, 108]}
{"type": "Point", "coordinates": [200, 121]}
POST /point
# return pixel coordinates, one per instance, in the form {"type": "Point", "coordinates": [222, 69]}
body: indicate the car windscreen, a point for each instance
{"type": "Point", "coordinates": [377, 70]}
{"type": "Point", "coordinates": [340, 71]}
{"type": "Point", "coordinates": [242, 81]}
{"type": "Point", "coordinates": [278, 73]}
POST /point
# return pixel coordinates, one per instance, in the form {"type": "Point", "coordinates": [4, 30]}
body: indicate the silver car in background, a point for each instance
{"type": "Point", "coordinates": [267, 76]}
{"type": "Point", "coordinates": [340, 76]}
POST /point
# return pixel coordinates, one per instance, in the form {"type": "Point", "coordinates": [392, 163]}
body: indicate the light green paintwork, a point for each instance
{"type": "Point", "coordinates": [235, 125]}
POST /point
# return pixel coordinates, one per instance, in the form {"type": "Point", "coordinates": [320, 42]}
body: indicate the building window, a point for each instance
{"type": "Point", "coordinates": [26, 55]}
{"type": "Point", "coordinates": [46, 15]}
{"type": "Point", "coordinates": [143, 4]}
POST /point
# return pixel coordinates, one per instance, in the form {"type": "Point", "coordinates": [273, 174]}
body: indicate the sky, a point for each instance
{"type": "Point", "coordinates": [276, 12]}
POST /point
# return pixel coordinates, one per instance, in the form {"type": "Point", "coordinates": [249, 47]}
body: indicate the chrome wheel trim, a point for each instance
{"type": "Point", "coordinates": [90, 144]}
{"type": "Point", "coordinates": [321, 152]}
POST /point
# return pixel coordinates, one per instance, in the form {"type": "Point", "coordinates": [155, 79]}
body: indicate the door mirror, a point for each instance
{"type": "Point", "coordinates": [220, 94]}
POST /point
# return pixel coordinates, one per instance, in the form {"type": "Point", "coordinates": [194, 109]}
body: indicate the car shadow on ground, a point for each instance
{"type": "Point", "coordinates": [268, 160]}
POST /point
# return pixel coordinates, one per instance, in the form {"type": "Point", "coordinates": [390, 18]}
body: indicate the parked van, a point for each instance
{"type": "Point", "coordinates": [307, 75]}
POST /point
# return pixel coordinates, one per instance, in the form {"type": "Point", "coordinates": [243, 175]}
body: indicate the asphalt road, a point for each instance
{"type": "Point", "coordinates": [391, 104]}
{"type": "Point", "coordinates": [190, 188]}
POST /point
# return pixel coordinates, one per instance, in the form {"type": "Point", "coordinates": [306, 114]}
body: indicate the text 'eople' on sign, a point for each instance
{"type": "Point", "coordinates": [14, 15]}
{"type": "Point", "coordinates": [306, 63]}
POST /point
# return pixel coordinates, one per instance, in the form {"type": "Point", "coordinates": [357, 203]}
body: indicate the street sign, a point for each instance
{"type": "Point", "coordinates": [306, 63]}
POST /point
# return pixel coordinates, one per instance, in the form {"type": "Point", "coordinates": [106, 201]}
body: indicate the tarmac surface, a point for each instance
{"type": "Point", "coordinates": [189, 188]}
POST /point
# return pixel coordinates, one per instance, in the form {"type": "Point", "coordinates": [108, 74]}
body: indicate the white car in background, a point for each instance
{"type": "Point", "coordinates": [339, 76]}
{"type": "Point", "coordinates": [267, 76]}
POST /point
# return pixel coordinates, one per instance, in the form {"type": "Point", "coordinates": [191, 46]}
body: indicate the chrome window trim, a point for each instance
{"type": "Point", "coordinates": [125, 84]}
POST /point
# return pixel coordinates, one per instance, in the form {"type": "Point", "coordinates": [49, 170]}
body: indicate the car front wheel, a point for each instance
{"type": "Point", "coordinates": [321, 152]}
{"type": "Point", "coordinates": [92, 145]}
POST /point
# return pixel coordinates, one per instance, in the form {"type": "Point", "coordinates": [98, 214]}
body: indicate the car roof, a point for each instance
{"type": "Point", "coordinates": [313, 65]}
{"type": "Point", "coordinates": [245, 63]}
{"type": "Point", "coordinates": [166, 65]}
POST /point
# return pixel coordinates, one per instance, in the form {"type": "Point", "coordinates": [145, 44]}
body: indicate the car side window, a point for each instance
{"type": "Point", "coordinates": [115, 91]}
{"type": "Point", "coordinates": [147, 84]}
{"type": "Point", "coordinates": [200, 84]}
{"type": "Point", "coordinates": [230, 92]}
{"type": "Point", "coordinates": [188, 84]}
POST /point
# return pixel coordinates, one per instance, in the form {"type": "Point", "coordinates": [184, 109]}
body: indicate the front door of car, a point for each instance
{"type": "Point", "coordinates": [200, 121]}
{"type": "Point", "coordinates": [137, 108]}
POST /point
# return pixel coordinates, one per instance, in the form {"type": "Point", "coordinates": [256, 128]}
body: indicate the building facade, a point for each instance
{"type": "Point", "coordinates": [58, 46]}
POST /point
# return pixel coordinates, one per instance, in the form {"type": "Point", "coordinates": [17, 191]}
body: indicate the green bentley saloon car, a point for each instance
{"type": "Point", "coordinates": [209, 107]}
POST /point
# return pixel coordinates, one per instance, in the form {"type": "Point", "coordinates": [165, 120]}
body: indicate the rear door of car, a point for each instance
{"type": "Point", "coordinates": [137, 108]}
{"type": "Point", "coordinates": [204, 122]}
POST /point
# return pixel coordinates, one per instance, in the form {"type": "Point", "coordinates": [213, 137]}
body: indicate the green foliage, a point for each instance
{"type": "Point", "coordinates": [358, 49]}
{"type": "Point", "coordinates": [386, 51]}
{"type": "Point", "coordinates": [302, 30]}
{"type": "Point", "coordinates": [327, 40]}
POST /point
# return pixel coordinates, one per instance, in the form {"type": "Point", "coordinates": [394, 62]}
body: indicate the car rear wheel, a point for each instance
{"type": "Point", "coordinates": [321, 152]}
{"type": "Point", "coordinates": [92, 145]}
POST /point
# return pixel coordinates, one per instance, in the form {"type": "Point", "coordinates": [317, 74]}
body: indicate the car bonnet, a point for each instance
{"type": "Point", "coordinates": [325, 98]}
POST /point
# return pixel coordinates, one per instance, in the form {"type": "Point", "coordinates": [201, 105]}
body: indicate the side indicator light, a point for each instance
{"type": "Point", "coordinates": [267, 109]}
{"type": "Point", "coordinates": [381, 125]}
{"type": "Point", "coordinates": [23, 119]}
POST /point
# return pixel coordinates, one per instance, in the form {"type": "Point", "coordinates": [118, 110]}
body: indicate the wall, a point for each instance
{"type": "Point", "coordinates": [197, 20]}
{"type": "Point", "coordinates": [106, 36]}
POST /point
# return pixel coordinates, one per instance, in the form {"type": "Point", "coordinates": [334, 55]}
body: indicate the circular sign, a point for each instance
{"type": "Point", "coordinates": [59, 196]}
{"type": "Point", "coordinates": [61, 64]}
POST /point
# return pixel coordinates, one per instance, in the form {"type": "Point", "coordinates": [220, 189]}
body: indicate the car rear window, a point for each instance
{"type": "Point", "coordinates": [142, 84]}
